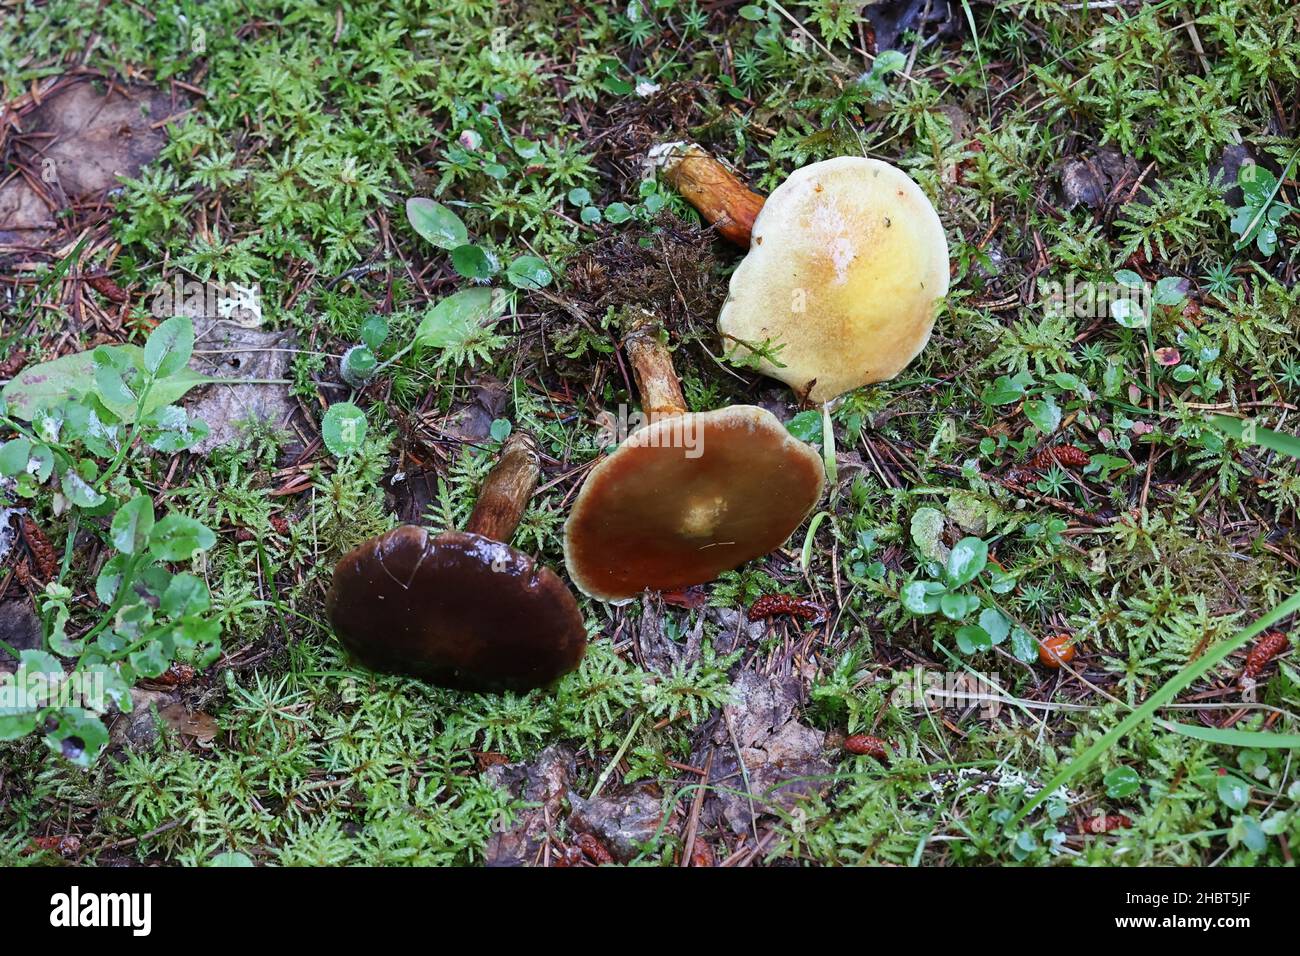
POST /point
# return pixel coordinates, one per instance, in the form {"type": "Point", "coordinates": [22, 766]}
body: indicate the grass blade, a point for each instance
{"type": "Point", "coordinates": [1244, 430]}
{"type": "Point", "coordinates": [1234, 738]}
{"type": "Point", "coordinates": [1157, 700]}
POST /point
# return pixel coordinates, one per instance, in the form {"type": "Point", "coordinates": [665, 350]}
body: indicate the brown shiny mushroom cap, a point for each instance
{"type": "Point", "coordinates": [652, 516]}
{"type": "Point", "coordinates": [457, 609]}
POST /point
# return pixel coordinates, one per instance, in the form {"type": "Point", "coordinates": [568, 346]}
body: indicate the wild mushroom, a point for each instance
{"type": "Point", "coordinates": [461, 609]}
{"type": "Point", "coordinates": [688, 495]}
{"type": "Point", "coordinates": [847, 260]}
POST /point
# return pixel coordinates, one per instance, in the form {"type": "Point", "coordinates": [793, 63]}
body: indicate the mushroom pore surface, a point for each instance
{"type": "Point", "coordinates": [457, 609]}
{"type": "Point", "coordinates": [652, 516]}
{"type": "Point", "coordinates": [847, 261]}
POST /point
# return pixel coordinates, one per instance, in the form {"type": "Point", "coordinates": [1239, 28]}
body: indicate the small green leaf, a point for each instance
{"type": "Point", "coordinates": [374, 332]}
{"type": "Point", "coordinates": [927, 533]}
{"type": "Point", "coordinates": [79, 491]}
{"type": "Point", "coordinates": [186, 595]}
{"type": "Point", "coordinates": [955, 607]}
{"type": "Point", "coordinates": [806, 426]}
{"type": "Point", "coordinates": [435, 223]}
{"type": "Point", "coordinates": [922, 597]}
{"type": "Point", "coordinates": [1258, 184]}
{"type": "Point", "coordinates": [198, 640]}
{"type": "Point", "coordinates": [500, 429]}
{"type": "Point", "coordinates": [14, 456]}
{"type": "Point", "coordinates": [1128, 313]}
{"type": "Point", "coordinates": [1023, 645]}
{"type": "Point", "coordinates": [132, 524]}
{"type": "Point", "coordinates": [529, 272]}
{"type": "Point", "coordinates": [179, 538]}
{"type": "Point", "coordinates": [343, 428]}
{"type": "Point", "coordinates": [972, 639]}
{"type": "Point", "coordinates": [15, 726]}
{"type": "Point", "coordinates": [150, 661]}
{"type": "Point", "coordinates": [170, 429]}
{"type": "Point", "coordinates": [966, 560]}
{"type": "Point", "coordinates": [110, 383]}
{"type": "Point", "coordinates": [1233, 791]}
{"type": "Point", "coordinates": [109, 581]}
{"type": "Point", "coordinates": [169, 347]}
{"type": "Point", "coordinates": [1005, 390]}
{"type": "Point", "coordinates": [1045, 415]}
{"type": "Point", "coordinates": [995, 624]}
{"type": "Point", "coordinates": [1171, 291]}
{"type": "Point", "coordinates": [472, 262]}
{"type": "Point", "coordinates": [1121, 782]}
{"type": "Point", "coordinates": [618, 212]}
{"type": "Point", "coordinates": [450, 320]}
{"type": "Point", "coordinates": [115, 688]}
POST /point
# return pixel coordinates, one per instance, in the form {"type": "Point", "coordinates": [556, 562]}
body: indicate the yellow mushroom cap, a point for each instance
{"type": "Point", "coordinates": [847, 262]}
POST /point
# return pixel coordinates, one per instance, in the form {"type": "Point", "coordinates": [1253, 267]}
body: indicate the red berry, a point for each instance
{"type": "Point", "coordinates": [865, 744]}
{"type": "Point", "coordinates": [1056, 650]}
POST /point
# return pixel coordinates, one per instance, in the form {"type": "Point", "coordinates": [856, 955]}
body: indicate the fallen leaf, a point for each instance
{"type": "Point", "coordinates": [1097, 179]}
{"type": "Point", "coordinates": [80, 143]}
{"type": "Point", "coordinates": [783, 758]}
{"type": "Point", "coordinates": [541, 783]}
{"type": "Point", "coordinates": [228, 350]}
{"type": "Point", "coordinates": [624, 822]}
{"type": "Point", "coordinates": [197, 724]}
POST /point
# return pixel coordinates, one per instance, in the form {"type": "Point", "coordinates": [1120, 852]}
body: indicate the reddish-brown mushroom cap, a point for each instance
{"type": "Point", "coordinates": [462, 609]}
{"type": "Point", "coordinates": [458, 609]}
{"type": "Point", "coordinates": [686, 498]}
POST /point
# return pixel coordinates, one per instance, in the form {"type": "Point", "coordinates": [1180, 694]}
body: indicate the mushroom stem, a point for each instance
{"type": "Point", "coordinates": [722, 199]}
{"type": "Point", "coordinates": [652, 367]}
{"type": "Point", "coordinates": [507, 489]}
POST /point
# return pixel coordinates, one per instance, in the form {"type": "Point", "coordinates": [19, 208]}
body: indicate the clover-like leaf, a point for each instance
{"type": "Point", "coordinates": [529, 272]}
{"type": "Point", "coordinates": [972, 639]}
{"type": "Point", "coordinates": [472, 262]}
{"type": "Point", "coordinates": [343, 429]}
{"type": "Point", "coordinates": [922, 597]}
{"type": "Point", "coordinates": [966, 560]}
{"type": "Point", "coordinates": [179, 538]}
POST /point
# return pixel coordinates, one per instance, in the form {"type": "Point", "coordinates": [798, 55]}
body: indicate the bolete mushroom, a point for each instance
{"type": "Point", "coordinates": [688, 495]}
{"type": "Point", "coordinates": [461, 609]}
{"type": "Point", "coordinates": [847, 261]}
